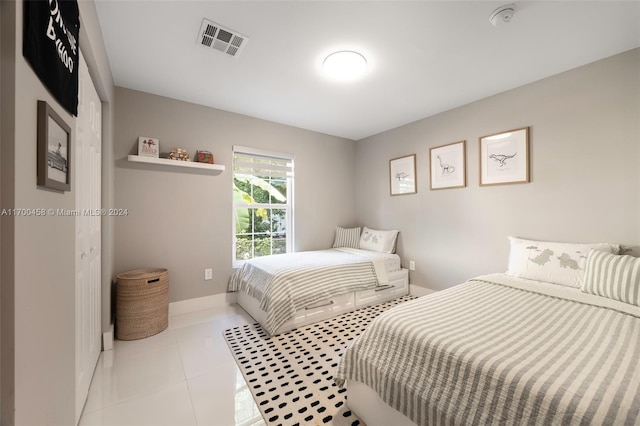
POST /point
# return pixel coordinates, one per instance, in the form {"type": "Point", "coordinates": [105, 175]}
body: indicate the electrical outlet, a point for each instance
{"type": "Point", "coordinates": [412, 265]}
{"type": "Point", "coordinates": [208, 274]}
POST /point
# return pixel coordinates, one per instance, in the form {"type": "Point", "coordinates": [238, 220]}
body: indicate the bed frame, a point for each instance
{"type": "Point", "coordinates": [368, 406]}
{"type": "Point", "coordinates": [398, 286]}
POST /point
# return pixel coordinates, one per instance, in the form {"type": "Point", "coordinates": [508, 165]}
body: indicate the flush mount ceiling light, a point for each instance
{"type": "Point", "coordinates": [345, 65]}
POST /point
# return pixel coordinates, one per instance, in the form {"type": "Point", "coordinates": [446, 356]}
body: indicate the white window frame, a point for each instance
{"type": "Point", "coordinates": [289, 206]}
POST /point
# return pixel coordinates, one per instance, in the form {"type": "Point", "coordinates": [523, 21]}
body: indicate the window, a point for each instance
{"type": "Point", "coordinates": [262, 203]}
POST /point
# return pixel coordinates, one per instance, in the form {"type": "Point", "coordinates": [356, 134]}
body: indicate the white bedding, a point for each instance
{"type": "Point", "coordinates": [288, 282]}
{"type": "Point", "coordinates": [503, 350]}
{"type": "Point", "coordinates": [384, 262]}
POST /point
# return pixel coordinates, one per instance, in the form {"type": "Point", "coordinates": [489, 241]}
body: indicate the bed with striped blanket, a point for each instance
{"type": "Point", "coordinates": [285, 283]}
{"type": "Point", "coordinates": [501, 350]}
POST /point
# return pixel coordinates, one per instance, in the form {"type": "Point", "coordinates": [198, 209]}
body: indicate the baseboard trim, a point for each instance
{"type": "Point", "coordinates": [201, 303]}
{"type": "Point", "coordinates": [418, 291]}
{"type": "Point", "coordinates": [107, 339]}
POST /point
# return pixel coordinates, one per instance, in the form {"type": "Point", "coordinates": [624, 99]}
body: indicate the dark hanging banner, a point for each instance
{"type": "Point", "coordinates": [51, 30]}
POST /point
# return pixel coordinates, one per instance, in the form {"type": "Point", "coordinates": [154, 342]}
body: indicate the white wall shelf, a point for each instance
{"type": "Point", "coordinates": [211, 168]}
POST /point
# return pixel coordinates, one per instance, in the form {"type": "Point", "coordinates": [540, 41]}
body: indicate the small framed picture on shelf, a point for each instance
{"type": "Point", "coordinates": [148, 147]}
{"type": "Point", "coordinates": [54, 146]}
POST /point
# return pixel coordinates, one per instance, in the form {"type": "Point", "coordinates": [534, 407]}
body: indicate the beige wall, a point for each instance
{"type": "Point", "coordinates": [585, 186]}
{"type": "Point", "coordinates": [38, 264]}
{"type": "Point", "coordinates": [182, 220]}
{"type": "Point", "coordinates": [44, 270]}
{"type": "Point", "coordinates": [7, 166]}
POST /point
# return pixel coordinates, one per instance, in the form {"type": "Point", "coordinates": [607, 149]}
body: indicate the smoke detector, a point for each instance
{"type": "Point", "coordinates": [502, 15]}
{"type": "Point", "coordinates": [217, 37]}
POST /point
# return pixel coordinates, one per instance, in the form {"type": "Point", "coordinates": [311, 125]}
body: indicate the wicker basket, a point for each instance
{"type": "Point", "coordinates": [142, 303]}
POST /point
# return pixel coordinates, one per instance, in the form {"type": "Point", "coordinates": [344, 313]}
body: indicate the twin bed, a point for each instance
{"type": "Point", "coordinates": [286, 291]}
{"type": "Point", "coordinates": [555, 340]}
{"type": "Point", "coordinates": [508, 348]}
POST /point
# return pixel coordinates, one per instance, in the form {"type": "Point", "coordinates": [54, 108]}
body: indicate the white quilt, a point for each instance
{"type": "Point", "coordinates": [288, 282]}
{"type": "Point", "coordinates": [496, 350]}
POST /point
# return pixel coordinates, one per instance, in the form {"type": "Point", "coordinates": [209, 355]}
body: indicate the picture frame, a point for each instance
{"type": "Point", "coordinates": [54, 150]}
{"type": "Point", "coordinates": [504, 157]}
{"type": "Point", "coordinates": [402, 175]}
{"type": "Point", "coordinates": [148, 147]}
{"type": "Point", "coordinates": [448, 165]}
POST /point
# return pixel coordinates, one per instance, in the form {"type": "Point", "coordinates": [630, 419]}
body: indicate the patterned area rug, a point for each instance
{"type": "Point", "coordinates": [291, 375]}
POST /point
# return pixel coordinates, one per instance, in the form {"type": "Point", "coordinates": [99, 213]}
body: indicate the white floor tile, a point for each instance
{"type": "Point", "coordinates": [201, 356]}
{"type": "Point", "coordinates": [158, 341]}
{"type": "Point", "coordinates": [135, 374]}
{"type": "Point", "coordinates": [208, 324]}
{"type": "Point", "coordinates": [213, 406]}
{"type": "Point", "coordinates": [170, 406]}
{"type": "Point", "coordinates": [182, 376]}
{"type": "Point", "coordinates": [226, 317]}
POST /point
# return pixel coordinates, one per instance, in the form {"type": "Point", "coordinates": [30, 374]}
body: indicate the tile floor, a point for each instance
{"type": "Point", "coordinates": [185, 375]}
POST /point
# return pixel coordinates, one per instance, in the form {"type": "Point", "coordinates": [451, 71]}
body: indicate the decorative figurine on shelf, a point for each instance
{"type": "Point", "coordinates": [178, 154]}
{"type": "Point", "coordinates": [204, 157]}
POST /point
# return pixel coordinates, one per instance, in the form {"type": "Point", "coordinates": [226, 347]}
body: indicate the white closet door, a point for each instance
{"type": "Point", "coordinates": [88, 179]}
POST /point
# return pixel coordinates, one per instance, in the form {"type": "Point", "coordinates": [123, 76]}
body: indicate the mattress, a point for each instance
{"type": "Point", "coordinates": [503, 350]}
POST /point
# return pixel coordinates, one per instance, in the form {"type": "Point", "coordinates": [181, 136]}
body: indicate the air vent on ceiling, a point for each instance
{"type": "Point", "coordinates": [220, 38]}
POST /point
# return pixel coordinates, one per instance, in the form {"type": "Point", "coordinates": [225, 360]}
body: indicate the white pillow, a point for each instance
{"type": "Point", "coordinates": [613, 276]}
{"type": "Point", "coordinates": [559, 263]}
{"type": "Point", "coordinates": [375, 240]}
{"type": "Point", "coordinates": [347, 237]}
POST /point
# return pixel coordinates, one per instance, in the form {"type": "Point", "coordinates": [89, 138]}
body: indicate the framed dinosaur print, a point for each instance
{"type": "Point", "coordinates": [448, 165]}
{"type": "Point", "coordinates": [504, 157]}
{"type": "Point", "coordinates": [402, 175]}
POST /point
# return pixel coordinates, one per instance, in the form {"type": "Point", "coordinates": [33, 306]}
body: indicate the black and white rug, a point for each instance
{"type": "Point", "coordinates": [291, 375]}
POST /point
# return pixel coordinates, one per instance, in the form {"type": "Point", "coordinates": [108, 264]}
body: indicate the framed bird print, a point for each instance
{"type": "Point", "coordinates": [504, 157]}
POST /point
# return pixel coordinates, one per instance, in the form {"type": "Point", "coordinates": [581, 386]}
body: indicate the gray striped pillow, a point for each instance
{"type": "Point", "coordinates": [613, 276]}
{"type": "Point", "coordinates": [347, 237]}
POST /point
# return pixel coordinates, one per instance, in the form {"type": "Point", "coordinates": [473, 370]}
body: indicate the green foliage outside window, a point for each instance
{"type": "Point", "coordinates": [260, 230]}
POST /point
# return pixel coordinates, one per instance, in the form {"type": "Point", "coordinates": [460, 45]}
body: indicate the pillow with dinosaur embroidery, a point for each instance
{"type": "Point", "coordinates": [382, 241]}
{"type": "Point", "coordinates": [558, 263]}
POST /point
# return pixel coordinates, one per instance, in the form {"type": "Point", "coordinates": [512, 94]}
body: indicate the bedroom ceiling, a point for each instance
{"type": "Point", "coordinates": [425, 57]}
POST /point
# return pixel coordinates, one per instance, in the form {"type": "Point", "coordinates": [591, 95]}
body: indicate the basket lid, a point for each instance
{"type": "Point", "coordinates": [139, 274]}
